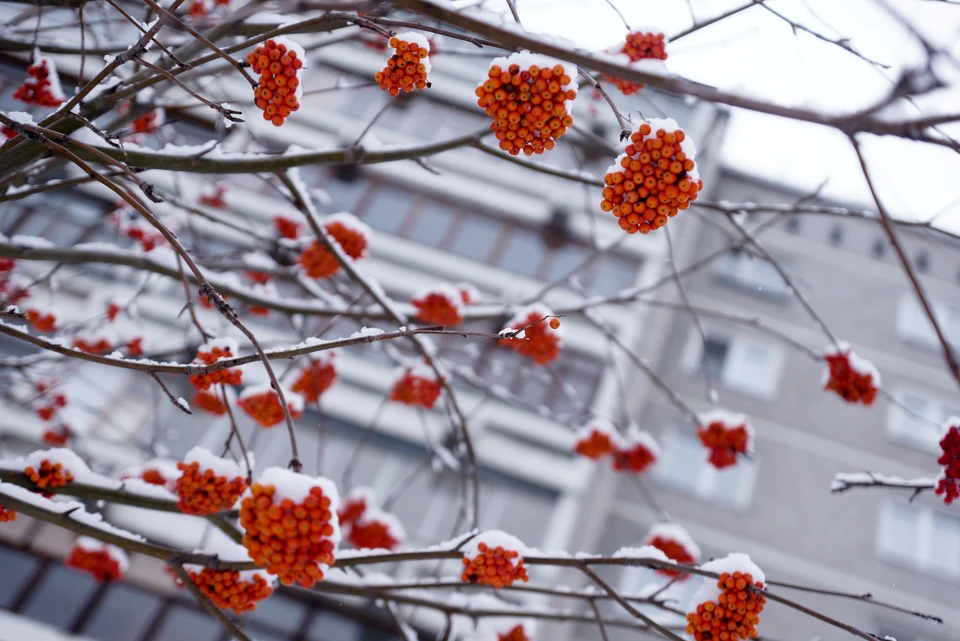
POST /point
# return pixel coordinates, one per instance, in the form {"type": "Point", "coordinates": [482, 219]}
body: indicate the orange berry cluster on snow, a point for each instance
{"type": "Point", "coordinates": [637, 454]}
{"type": "Point", "coordinates": [640, 46]}
{"type": "Point", "coordinates": [354, 506]}
{"type": "Point", "coordinates": [42, 321]}
{"type": "Point", "coordinates": [278, 64]}
{"type": "Point", "coordinates": [540, 341]}
{"type": "Point", "coordinates": [948, 483]}
{"type": "Point", "coordinates": [315, 379]}
{"type": "Point", "coordinates": [735, 614]}
{"type": "Point", "coordinates": [148, 122]}
{"type": "Point", "coordinates": [210, 401]}
{"type": "Point", "coordinates": [48, 475]}
{"type": "Point", "coordinates": [202, 491]}
{"type": "Point", "coordinates": [294, 540]}
{"type": "Point", "coordinates": [262, 404]}
{"type": "Point", "coordinates": [42, 86]}
{"type": "Point", "coordinates": [208, 354]}
{"type": "Point", "coordinates": [438, 306]}
{"type": "Point", "coordinates": [595, 442]}
{"type": "Point", "coordinates": [96, 560]}
{"type": "Point", "coordinates": [418, 385]}
{"type": "Point", "coordinates": [516, 633]}
{"type": "Point", "coordinates": [348, 232]}
{"type": "Point", "coordinates": [526, 95]}
{"type": "Point", "coordinates": [57, 435]}
{"type": "Point", "coordinates": [228, 592]}
{"type": "Point", "coordinates": [725, 438]}
{"type": "Point", "coordinates": [674, 548]}
{"type": "Point", "coordinates": [494, 566]}
{"type": "Point", "coordinates": [408, 67]}
{"type": "Point", "coordinates": [286, 227]}
{"type": "Point", "coordinates": [215, 199]}
{"type": "Point", "coordinates": [7, 515]}
{"type": "Point", "coordinates": [92, 345]}
{"type": "Point", "coordinates": [372, 533]}
{"type": "Point", "coordinates": [653, 180]}
{"type": "Point", "coordinates": [154, 476]}
{"type": "Point", "coordinates": [853, 378]}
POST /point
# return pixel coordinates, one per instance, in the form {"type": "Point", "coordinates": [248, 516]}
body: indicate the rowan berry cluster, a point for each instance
{"type": "Point", "coordinates": [526, 95]}
{"type": "Point", "coordinates": [439, 305]}
{"type": "Point", "coordinates": [948, 483]}
{"type": "Point", "coordinates": [735, 613]}
{"type": "Point", "coordinates": [262, 404]}
{"type": "Point", "coordinates": [640, 46]}
{"type": "Point", "coordinates": [676, 544]}
{"type": "Point", "coordinates": [852, 377]}
{"type": "Point", "coordinates": [149, 122]}
{"type": "Point", "coordinates": [654, 179]}
{"type": "Point", "coordinates": [215, 199]}
{"type": "Point", "coordinates": [208, 484]}
{"type": "Point", "coordinates": [57, 435]}
{"type": "Point", "coordinates": [48, 475]}
{"type": "Point", "coordinates": [419, 385]}
{"type": "Point", "coordinates": [42, 321]}
{"type": "Point", "coordinates": [102, 561]}
{"type": "Point", "coordinates": [113, 310]}
{"type": "Point", "coordinates": [635, 451]}
{"type": "Point", "coordinates": [211, 401]}
{"type": "Point", "coordinates": [291, 525]}
{"type": "Point", "coordinates": [92, 344]}
{"type": "Point", "coordinates": [208, 354]}
{"type": "Point", "coordinates": [408, 67]}
{"type": "Point", "coordinates": [727, 436]}
{"type": "Point", "coordinates": [494, 566]}
{"type": "Point", "coordinates": [347, 231]}
{"type": "Point", "coordinates": [596, 440]}
{"type": "Point", "coordinates": [516, 633]}
{"type": "Point", "coordinates": [161, 473]}
{"type": "Point", "coordinates": [374, 530]}
{"type": "Point", "coordinates": [278, 61]}
{"type": "Point", "coordinates": [532, 333]}
{"type": "Point", "coordinates": [317, 377]}
{"type": "Point", "coordinates": [231, 590]}
{"type": "Point", "coordinates": [286, 227]}
{"type": "Point", "coordinates": [42, 85]}
{"type": "Point", "coordinates": [7, 515]}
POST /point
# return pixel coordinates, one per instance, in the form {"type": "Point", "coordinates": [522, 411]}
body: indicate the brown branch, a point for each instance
{"type": "Point", "coordinates": [207, 604]}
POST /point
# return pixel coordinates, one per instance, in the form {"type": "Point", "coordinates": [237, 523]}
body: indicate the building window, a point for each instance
{"type": "Point", "coordinates": [684, 467]}
{"type": "Point", "coordinates": [742, 364]}
{"type": "Point", "coordinates": [879, 248]}
{"type": "Point", "coordinates": [922, 261]}
{"type": "Point", "coordinates": [915, 327]}
{"type": "Point", "coordinates": [836, 235]}
{"type": "Point", "coordinates": [752, 273]}
{"type": "Point", "coordinates": [920, 538]}
{"type": "Point", "coordinates": [918, 420]}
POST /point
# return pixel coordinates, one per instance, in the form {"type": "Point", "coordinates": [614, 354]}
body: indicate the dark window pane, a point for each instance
{"type": "Point", "coordinates": [121, 614]}
{"type": "Point", "coordinates": [17, 570]}
{"type": "Point", "coordinates": [476, 237]}
{"type": "Point", "coordinates": [68, 589]}
{"type": "Point", "coordinates": [565, 260]}
{"type": "Point", "coordinates": [523, 253]}
{"type": "Point", "coordinates": [716, 355]}
{"type": "Point", "coordinates": [180, 624]}
{"type": "Point", "coordinates": [432, 224]}
{"type": "Point", "coordinates": [613, 274]}
{"type": "Point", "coordinates": [328, 626]}
{"type": "Point", "coordinates": [387, 210]}
{"type": "Point", "coordinates": [280, 613]}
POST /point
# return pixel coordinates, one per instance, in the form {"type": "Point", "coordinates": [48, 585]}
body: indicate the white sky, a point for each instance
{"type": "Point", "coordinates": [756, 53]}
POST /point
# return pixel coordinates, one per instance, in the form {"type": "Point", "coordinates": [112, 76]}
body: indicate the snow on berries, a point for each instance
{"type": "Point", "coordinates": [42, 85]}
{"type": "Point", "coordinates": [530, 334]}
{"type": "Point", "coordinates": [43, 320]}
{"type": "Point", "coordinates": [262, 404]}
{"type": "Point", "coordinates": [230, 589]}
{"type": "Point", "coordinates": [649, 46]}
{"type": "Point", "coordinates": [376, 530]}
{"type": "Point", "coordinates": [354, 505]}
{"type": "Point", "coordinates": [94, 342]}
{"type": "Point", "coordinates": [212, 401]}
{"type": "Point", "coordinates": [160, 472]}
{"type": "Point", "coordinates": [408, 67]}
{"type": "Point", "coordinates": [653, 179]}
{"type": "Point", "coordinates": [494, 558]}
{"type": "Point", "coordinates": [527, 95]}
{"type": "Point", "coordinates": [317, 376]}
{"type": "Point", "coordinates": [417, 384]}
{"type": "Point", "coordinates": [439, 305]}
{"type": "Point", "coordinates": [208, 354]}
{"type": "Point", "coordinates": [290, 525]}
{"type": "Point", "coordinates": [286, 227]}
{"type": "Point", "coordinates": [214, 199]}
{"type": "Point", "coordinates": [853, 378]}
{"type": "Point", "coordinates": [636, 450]}
{"type": "Point", "coordinates": [208, 484]}
{"type": "Point", "coordinates": [726, 436]}
{"type": "Point", "coordinates": [102, 561]}
{"type": "Point", "coordinates": [675, 543]}
{"type": "Point", "coordinates": [727, 609]}
{"type": "Point", "coordinates": [149, 122]}
{"type": "Point", "coordinates": [48, 474]}
{"type": "Point", "coordinates": [279, 62]}
{"type": "Point", "coordinates": [596, 439]}
{"type": "Point", "coordinates": [948, 482]}
{"type": "Point", "coordinates": [349, 232]}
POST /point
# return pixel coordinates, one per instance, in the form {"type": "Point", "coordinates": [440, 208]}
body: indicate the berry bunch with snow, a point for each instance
{"type": "Point", "coordinates": [647, 45]}
{"type": "Point", "coordinates": [948, 482]}
{"type": "Point", "coordinates": [417, 384]}
{"type": "Point", "coordinates": [214, 199]}
{"type": "Point", "coordinates": [533, 333]}
{"type": "Point", "coordinates": [501, 628]}
{"type": "Point", "coordinates": [439, 305]}
{"type": "Point", "coordinates": [596, 439]}
{"type": "Point", "coordinates": [636, 450]}
{"type": "Point", "coordinates": [286, 227]}
{"type": "Point", "coordinates": [149, 122]}
{"type": "Point", "coordinates": [675, 543]}
{"type": "Point", "coordinates": [230, 589]}
{"type": "Point", "coordinates": [42, 318]}
{"type": "Point", "coordinates": [94, 342]}
{"type": "Point", "coordinates": [214, 400]}
{"type": "Point", "coordinates": [317, 376]}
{"type": "Point", "coordinates": [130, 224]}
{"type": "Point", "coordinates": [366, 526]}
{"type": "Point", "coordinates": [48, 474]}
{"type": "Point", "coordinates": [290, 525]}
{"type": "Point", "coordinates": [527, 95]}
{"type": "Point", "coordinates": [102, 561]}
{"type": "Point", "coordinates": [209, 353]}
{"type": "Point", "coordinates": [159, 472]}
{"type": "Point", "coordinates": [348, 232]}
{"type": "Point", "coordinates": [208, 484]}
{"type": "Point", "coordinates": [279, 62]}
{"type": "Point", "coordinates": [726, 435]}
{"type": "Point", "coordinates": [49, 402]}
{"type": "Point", "coordinates": [728, 609]}
{"type": "Point", "coordinates": [653, 179]}
{"type": "Point", "coordinates": [494, 558]}
{"type": "Point", "coordinates": [57, 435]}
{"type": "Point", "coordinates": [409, 66]}
{"type": "Point", "coordinates": [262, 404]}
{"type": "Point", "coordinates": [853, 378]}
{"type": "Point", "coordinates": [42, 85]}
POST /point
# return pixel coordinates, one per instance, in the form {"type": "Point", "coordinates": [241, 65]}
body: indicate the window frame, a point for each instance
{"type": "Point", "coordinates": [922, 560]}
{"type": "Point", "coordinates": [764, 387]}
